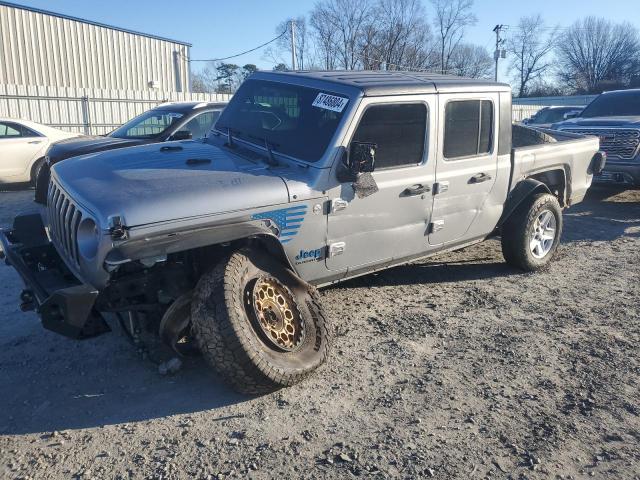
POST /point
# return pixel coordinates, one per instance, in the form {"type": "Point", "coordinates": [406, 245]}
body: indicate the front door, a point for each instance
{"type": "Point", "coordinates": [392, 222]}
{"type": "Point", "coordinates": [467, 165]}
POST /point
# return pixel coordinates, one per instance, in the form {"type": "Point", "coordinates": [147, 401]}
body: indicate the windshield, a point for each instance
{"type": "Point", "coordinates": [618, 104]}
{"type": "Point", "coordinates": [148, 125]}
{"type": "Point", "coordinates": [295, 121]}
{"type": "Point", "coordinates": [552, 115]}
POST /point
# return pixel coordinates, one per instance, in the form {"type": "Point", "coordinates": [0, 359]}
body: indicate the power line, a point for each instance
{"type": "Point", "coordinates": [241, 53]}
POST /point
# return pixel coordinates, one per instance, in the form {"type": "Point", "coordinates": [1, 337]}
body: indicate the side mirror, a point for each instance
{"type": "Point", "coordinates": [362, 157]}
{"type": "Point", "coordinates": [182, 135]}
{"type": "Point", "coordinates": [569, 115]}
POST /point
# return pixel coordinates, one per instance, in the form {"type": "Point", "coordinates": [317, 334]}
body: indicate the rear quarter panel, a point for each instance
{"type": "Point", "coordinates": [571, 154]}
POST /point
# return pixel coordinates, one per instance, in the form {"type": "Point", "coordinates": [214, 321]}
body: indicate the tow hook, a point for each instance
{"type": "Point", "coordinates": [26, 297]}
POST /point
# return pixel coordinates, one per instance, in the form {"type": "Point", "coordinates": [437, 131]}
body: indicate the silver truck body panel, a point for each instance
{"type": "Point", "coordinates": [572, 154]}
{"type": "Point", "coordinates": [327, 232]}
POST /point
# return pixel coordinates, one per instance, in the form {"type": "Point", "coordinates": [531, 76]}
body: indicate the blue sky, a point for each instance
{"type": "Point", "coordinates": [221, 28]}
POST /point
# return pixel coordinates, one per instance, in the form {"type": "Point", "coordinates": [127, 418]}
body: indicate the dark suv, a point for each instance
{"type": "Point", "coordinates": [169, 121]}
{"type": "Point", "coordinates": [614, 117]}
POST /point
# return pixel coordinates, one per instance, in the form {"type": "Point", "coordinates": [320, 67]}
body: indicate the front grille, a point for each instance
{"type": "Point", "coordinates": [64, 219]}
{"type": "Point", "coordinates": [619, 143]}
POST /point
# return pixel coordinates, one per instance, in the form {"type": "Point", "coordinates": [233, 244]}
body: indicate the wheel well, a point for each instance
{"type": "Point", "coordinates": [205, 258]}
{"type": "Point", "coordinates": [556, 182]}
{"type": "Point", "coordinates": [34, 167]}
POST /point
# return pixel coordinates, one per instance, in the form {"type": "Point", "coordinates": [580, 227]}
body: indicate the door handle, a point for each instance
{"type": "Point", "coordinates": [34, 142]}
{"type": "Point", "coordinates": [416, 189]}
{"type": "Point", "coordinates": [480, 177]}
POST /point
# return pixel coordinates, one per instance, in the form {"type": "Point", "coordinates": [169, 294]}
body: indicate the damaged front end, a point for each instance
{"type": "Point", "coordinates": [65, 304]}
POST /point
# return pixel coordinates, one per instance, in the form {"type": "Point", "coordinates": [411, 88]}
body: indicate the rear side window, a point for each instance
{"type": "Point", "coordinates": [468, 128]}
{"type": "Point", "coordinates": [10, 130]}
{"type": "Point", "coordinates": [398, 130]}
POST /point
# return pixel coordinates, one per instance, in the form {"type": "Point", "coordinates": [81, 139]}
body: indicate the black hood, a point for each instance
{"type": "Point", "coordinates": [577, 122]}
{"type": "Point", "coordinates": [82, 145]}
{"type": "Point", "coordinates": [73, 147]}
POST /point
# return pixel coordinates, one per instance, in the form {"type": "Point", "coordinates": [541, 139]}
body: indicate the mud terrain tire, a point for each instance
{"type": "Point", "coordinates": [519, 233]}
{"type": "Point", "coordinates": [226, 321]}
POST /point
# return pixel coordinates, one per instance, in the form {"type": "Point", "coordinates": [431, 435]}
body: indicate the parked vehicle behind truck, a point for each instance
{"type": "Point", "coordinates": [167, 122]}
{"type": "Point", "coordinates": [547, 116]}
{"type": "Point", "coordinates": [22, 147]}
{"type": "Point", "coordinates": [613, 117]}
{"type": "Point", "coordinates": [309, 179]}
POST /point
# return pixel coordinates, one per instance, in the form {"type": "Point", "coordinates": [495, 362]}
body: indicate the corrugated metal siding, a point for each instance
{"type": "Point", "coordinates": [45, 50]}
{"type": "Point", "coordinates": [89, 111]}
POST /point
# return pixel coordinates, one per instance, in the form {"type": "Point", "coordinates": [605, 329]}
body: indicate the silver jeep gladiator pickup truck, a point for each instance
{"type": "Point", "coordinates": [307, 179]}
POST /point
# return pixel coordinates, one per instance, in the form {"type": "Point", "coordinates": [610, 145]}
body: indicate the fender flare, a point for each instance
{"type": "Point", "coordinates": [272, 245]}
{"type": "Point", "coordinates": [519, 194]}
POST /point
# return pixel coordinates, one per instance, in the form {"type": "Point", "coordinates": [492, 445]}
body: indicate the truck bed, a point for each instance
{"type": "Point", "coordinates": [539, 151]}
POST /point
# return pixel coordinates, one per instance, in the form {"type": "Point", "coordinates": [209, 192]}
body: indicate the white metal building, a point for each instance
{"type": "Point", "coordinates": [42, 48]}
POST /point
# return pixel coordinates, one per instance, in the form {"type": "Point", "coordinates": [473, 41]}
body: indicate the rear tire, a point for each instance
{"type": "Point", "coordinates": [531, 235]}
{"type": "Point", "coordinates": [257, 324]}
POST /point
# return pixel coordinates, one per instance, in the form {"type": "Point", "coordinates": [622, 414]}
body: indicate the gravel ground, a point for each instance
{"type": "Point", "coordinates": [456, 367]}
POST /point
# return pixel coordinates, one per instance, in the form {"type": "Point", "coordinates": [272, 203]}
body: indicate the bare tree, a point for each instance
{"type": "Point", "coordinates": [283, 45]}
{"type": "Point", "coordinates": [398, 36]}
{"type": "Point", "coordinates": [530, 48]}
{"type": "Point", "coordinates": [205, 80]}
{"type": "Point", "coordinates": [338, 25]}
{"type": "Point", "coordinates": [471, 61]}
{"type": "Point", "coordinates": [452, 17]}
{"type": "Point", "coordinates": [594, 54]}
{"type": "Point", "coordinates": [325, 36]}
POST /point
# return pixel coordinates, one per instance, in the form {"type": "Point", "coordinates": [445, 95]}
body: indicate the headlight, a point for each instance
{"type": "Point", "coordinates": [88, 238]}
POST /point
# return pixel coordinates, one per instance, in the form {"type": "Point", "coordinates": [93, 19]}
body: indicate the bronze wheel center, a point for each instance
{"type": "Point", "coordinates": [276, 314]}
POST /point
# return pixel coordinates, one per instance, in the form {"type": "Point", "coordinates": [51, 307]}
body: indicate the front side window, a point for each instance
{"type": "Point", "coordinates": [148, 125]}
{"type": "Point", "coordinates": [10, 130]}
{"type": "Point", "coordinates": [293, 120]}
{"type": "Point", "coordinates": [468, 128]}
{"type": "Point", "coordinates": [398, 130]}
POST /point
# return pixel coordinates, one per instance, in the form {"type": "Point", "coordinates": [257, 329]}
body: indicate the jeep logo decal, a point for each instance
{"type": "Point", "coordinates": [309, 255]}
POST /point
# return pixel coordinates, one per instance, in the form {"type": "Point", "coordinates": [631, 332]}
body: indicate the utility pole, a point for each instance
{"type": "Point", "coordinates": [293, 45]}
{"type": "Point", "coordinates": [497, 54]}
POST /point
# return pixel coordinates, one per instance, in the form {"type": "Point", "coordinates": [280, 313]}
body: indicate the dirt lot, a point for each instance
{"type": "Point", "coordinates": [457, 367]}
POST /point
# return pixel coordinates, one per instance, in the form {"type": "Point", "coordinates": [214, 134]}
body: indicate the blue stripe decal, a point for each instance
{"type": "Point", "coordinates": [288, 220]}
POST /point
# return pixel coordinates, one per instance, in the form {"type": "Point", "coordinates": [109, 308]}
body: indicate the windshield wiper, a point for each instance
{"type": "Point", "coordinates": [269, 146]}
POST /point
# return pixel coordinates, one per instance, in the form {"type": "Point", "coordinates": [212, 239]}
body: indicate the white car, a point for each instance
{"type": "Point", "coordinates": [22, 148]}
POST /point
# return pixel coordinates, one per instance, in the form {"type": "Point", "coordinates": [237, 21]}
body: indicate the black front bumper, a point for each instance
{"type": "Point", "coordinates": [620, 174]}
{"type": "Point", "coordinates": [65, 304]}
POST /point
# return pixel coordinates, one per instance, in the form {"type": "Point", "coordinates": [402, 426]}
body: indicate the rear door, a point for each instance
{"type": "Point", "coordinates": [392, 222]}
{"type": "Point", "coordinates": [467, 164]}
{"type": "Point", "coordinates": [18, 147]}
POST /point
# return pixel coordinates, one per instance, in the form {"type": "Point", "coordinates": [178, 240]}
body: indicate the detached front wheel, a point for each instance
{"type": "Point", "coordinates": [530, 237]}
{"type": "Point", "coordinates": [258, 324]}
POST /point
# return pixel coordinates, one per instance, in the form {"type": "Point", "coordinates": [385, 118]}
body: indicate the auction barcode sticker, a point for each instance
{"type": "Point", "coordinates": [330, 102]}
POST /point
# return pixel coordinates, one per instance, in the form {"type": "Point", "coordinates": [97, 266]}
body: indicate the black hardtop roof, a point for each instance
{"type": "Point", "coordinates": [379, 82]}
